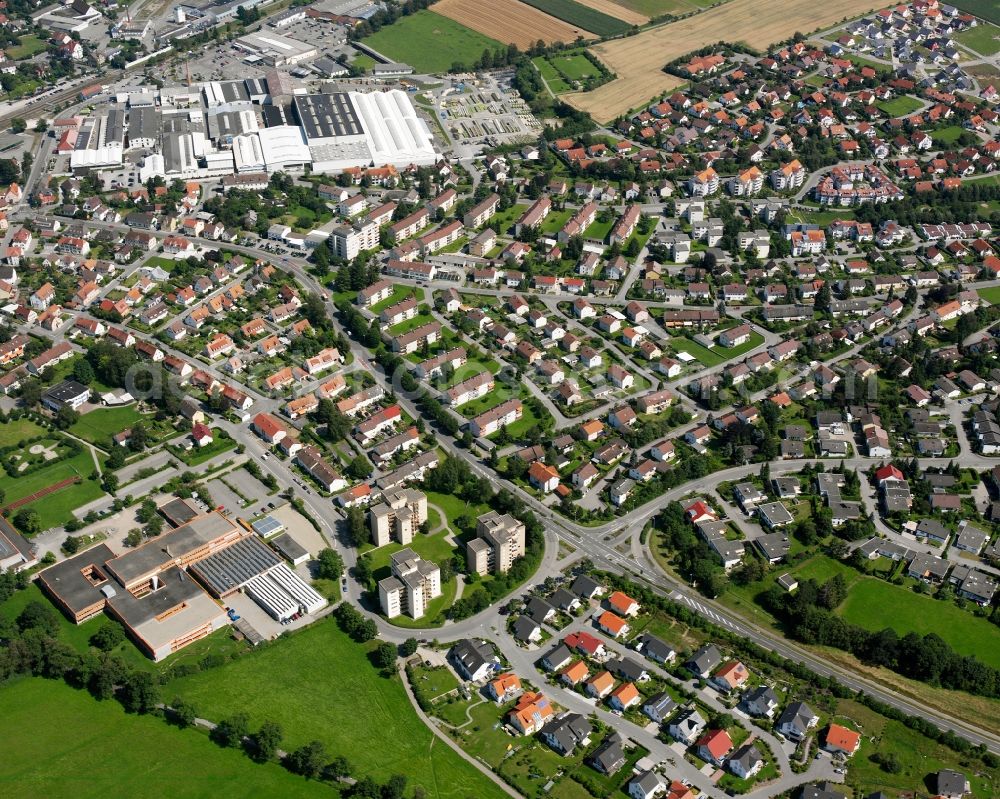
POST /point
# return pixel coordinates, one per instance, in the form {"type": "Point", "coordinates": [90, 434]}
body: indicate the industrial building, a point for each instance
{"type": "Point", "coordinates": [248, 127]}
{"type": "Point", "coordinates": [162, 592]}
{"type": "Point", "coordinates": [274, 49]}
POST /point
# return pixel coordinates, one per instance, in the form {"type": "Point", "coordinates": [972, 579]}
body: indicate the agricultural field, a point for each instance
{"type": "Point", "coordinates": [638, 60]}
{"type": "Point", "coordinates": [658, 8]}
{"type": "Point", "coordinates": [509, 21]}
{"type": "Point", "coordinates": [613, 8]}
{"type": "Point", "coordinates": [65, 733]}
{"type": "Point", "coordinates": [582, 16]}
{"type": "Point", "coordinates": [984, 39]}
{"type": "Point", "coordinates": [319, 685]}
{"type": "Point", "coordinates": [987, 9]}
{"type": "Point", "coordinates": [430, 42]}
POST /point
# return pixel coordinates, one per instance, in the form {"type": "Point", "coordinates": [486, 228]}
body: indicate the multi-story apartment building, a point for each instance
{"type": "Point", "coordinates": [498, 543]}
{"type": "Point", "coordinates": [412, 586]}
{"type": "Point", "coordinates": [350, 240]}
{"type": "Point", "coordinates": [397, 517]}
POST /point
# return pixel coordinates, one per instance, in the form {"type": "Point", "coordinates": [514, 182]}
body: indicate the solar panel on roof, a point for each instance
{"type": "Point", "coordinates": [267, 526]}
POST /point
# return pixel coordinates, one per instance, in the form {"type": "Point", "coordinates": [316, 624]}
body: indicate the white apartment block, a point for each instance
{"type": "Point", "coordinates": [397, 517]}
{"type": "Point", "coordinates": [498, 543]}
{"type": "Point", "coordinates": [412, 586]}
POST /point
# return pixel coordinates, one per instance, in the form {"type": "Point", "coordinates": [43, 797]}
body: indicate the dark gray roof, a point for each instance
{"type": "Point", "coordinates": [176, 587]}
{"type": "Point", "coordinates": [584, 587]}
{"type": "Point", "coordinates": [798, 714]}
{"type": "Point", "coordinates": [178, 511]}
{"type": "Point", "coordinates": [472, 654]}
{"type": "Point", "coordinates": [950, 783]}
{"type": "Point", "coordinates": [12, 541]}
{"type": "Point", "coordinates": [563, 599]}
{"type": "Point", "coordinates": [747, 755]}
{"type": "Point", "coordinates": [324, 116]}
{"type": "Point", "coordinates": [609, 756]}
{"type": "Point", "coordinates": [705, 659]}
{"type": "Point", "coordinates": [569, 730]}
{"type": "Point", "coordinates": [537, 608]}
{"type": "Point", "coordinates": [762, 694]}
{"type": "Point", "coordinates": [627, 669]}
{"type": "Point", "coordinates": [663, 703]}
{"type": "Point", "coordinates": [237, 564]}
{"type": "Point", "coordinates": [66, 390]}
{"type": "Point", "coordinates": [65, 579]}
{"type": "Point", "coordinates": [653, 647]}
{"type": "Point", "coordinates": [524, 628]}
{"type": "Point", "coordinates": [558, 654]}
{"type": "Point", "coordinates": [773, 545]}
{"type": "Point", "coordinates": [288, 547]}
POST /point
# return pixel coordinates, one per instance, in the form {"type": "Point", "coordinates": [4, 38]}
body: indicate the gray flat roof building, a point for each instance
{"type": "Point", "coordinates": [326, 116]}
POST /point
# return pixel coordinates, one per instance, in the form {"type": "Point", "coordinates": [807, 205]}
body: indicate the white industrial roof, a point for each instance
{"type": "Point", "coordinates": [108, 155]}
{"type": "Point", "coordinates": [248, 154]}
{"type": "Point", "coordinates": [284, 145]}
{"type": "Point", "coordinates": [395, 134]}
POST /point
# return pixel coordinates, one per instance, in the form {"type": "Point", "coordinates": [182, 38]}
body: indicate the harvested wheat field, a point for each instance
{"type": "Point", "coordinates": [615, 10]}
{"type": "Point", "coordinates": [638, 60]}
{"type": "Point", "coordinates": [509, 21]}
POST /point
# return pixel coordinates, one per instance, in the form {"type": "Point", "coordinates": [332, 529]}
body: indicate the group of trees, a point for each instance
{"type": "Point", "coordinates": [354, 623]}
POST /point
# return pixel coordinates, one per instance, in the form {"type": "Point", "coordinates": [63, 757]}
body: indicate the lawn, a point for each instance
{"type": "Point", "coordinates": [14, 432]}
{"type": "Point", "coordinates": [399, 293]}
{"type": "Point", "coordinates": [551, 75]}
{"type": "Point", "coordinates": [26, 47]}
{"type": "Point", "coordinates": [945, 137]}
{"type": "Point", "coordinates": [900, 106]}
{"type": "Point", "coordinates": [433, 547]}
{"type": "Point", "coordinates": [318, 684]}
{"type": "Point", "coordinates": [917, 756]}
{"type": "Point", "coordinates": [56, 508]}
{"type": "Point", "coordinates": [991, 295]}
{"type": "Point", "coordinates": [423, 317]}
{"type": "Point", "coordinates": [429, 42]}
{"type": "Point", "coordinates": [575, 66]}
{"type": "Point", "coordinates": [68, 742]}
{"type": "Point", "coordinates": [363, 61]}
{"type": "Point", "coordinates": [715, 355]}
{"type": "Point", "coordinates": [454, 507]}
{"type": "Point", "coordinates": [599, 231]}
{"type": "Point", "coordinates": [875, 604]}
{"type": "Point", "coordinates": [822, 218]}
{"type": "Point", "coordinates": [221, 442]}
{"type": "Point", "coordinates": [99, 425]}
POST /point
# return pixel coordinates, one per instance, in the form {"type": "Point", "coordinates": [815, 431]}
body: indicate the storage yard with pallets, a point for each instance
{"type": "Point", "coordinates": [638, 60]}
